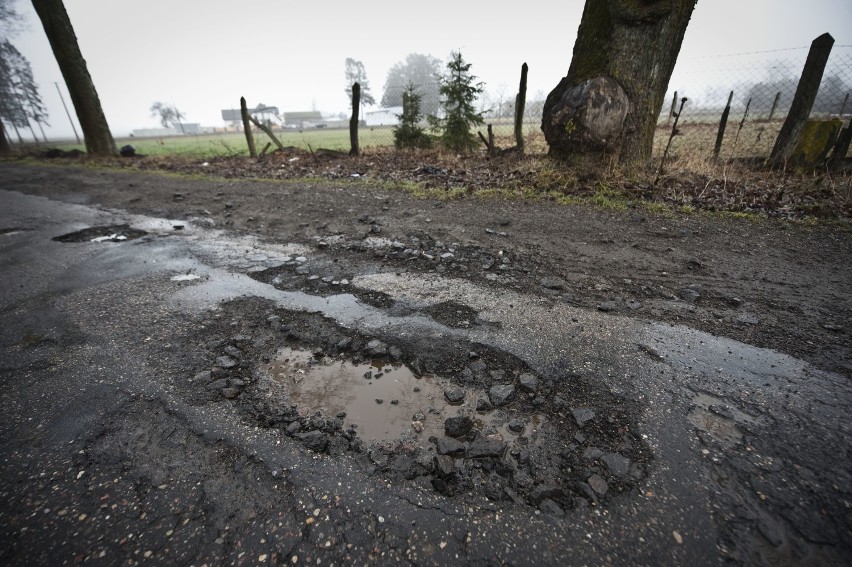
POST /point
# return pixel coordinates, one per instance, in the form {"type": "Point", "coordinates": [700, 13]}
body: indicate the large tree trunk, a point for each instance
{"type": "Point", "coordinates": [623, 58]}
{"type": "Point", "coordinates": [5, 147]}
{"type": "Point", "coordinates": [59, 32]}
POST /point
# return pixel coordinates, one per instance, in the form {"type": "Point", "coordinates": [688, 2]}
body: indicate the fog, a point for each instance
{"type": "Point", "coordinates": [202, 56]}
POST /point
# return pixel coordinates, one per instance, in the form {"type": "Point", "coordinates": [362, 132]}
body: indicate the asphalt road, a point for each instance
{"type": "Point", "coordinates": [107, 459]}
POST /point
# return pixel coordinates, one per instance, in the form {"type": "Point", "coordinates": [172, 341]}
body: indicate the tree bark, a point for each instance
{"type": "Point", "coordinates": [609, 101]}
{"type": "Point", "coordinates": [63, 42]}
{"type": "Point", "coordinates": [5, 147]}
{"type": "Point", "coordinates": [244, 113]}
{"type": "Point", "coordinates": [354, 150]}
{"type": "Point", "coordinates": [520, 105]}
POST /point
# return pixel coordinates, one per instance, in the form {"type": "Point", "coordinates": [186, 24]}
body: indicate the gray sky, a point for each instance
{"type": "Point", "coordinates": [203, 55]}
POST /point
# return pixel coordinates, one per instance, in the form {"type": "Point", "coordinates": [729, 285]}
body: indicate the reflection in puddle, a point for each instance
{"type": "Point", "coordinates": [380, 398]}
{"type": "Point", "coordinates": [718, 418]}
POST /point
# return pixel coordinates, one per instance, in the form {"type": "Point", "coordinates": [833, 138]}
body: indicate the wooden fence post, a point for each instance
{"type": "Point", "coordinates": [520, 103]}
{"type": "Point", "coordinates": [672, 111]}
{"type": "Point", "coordinates": [720, 135]}
{"type": "Point", "coordinates": [841, 148]}
{"type": "Point", "coordinates": [353, 122]}
{"type": "Point", "coordinates": [247, 127]}
{"type": "Point", "coordinates": [803, 101]}
{"type": "Point", "coordinates": [843, 106]}
{"type": "Point", "coordinates": [774, 106]}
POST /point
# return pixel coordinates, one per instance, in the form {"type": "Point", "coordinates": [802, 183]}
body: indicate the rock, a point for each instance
{"type": "Point", "coordinates": [444, 465]}
{"type": "Point", "coordinates": [395, 352]}
{"type": "Point", "coordinates": [516, 425]}
{"type": "Point", "coordinates": [482, 448]}
{"type": "Point", "coordinates": [548, 506]}
{"type": "Point", "coordinates": [748, 319]}
{"type": "Point", "coordinates": [230, 393]}
{"type": "Point", "coordinates": [592, 453]}
{"type": "Point", "coordinates": [449, 446]}
{"type": "Point", "coordinates": [483, 405]}
{"type": "Point", "coordinates": [598, 484]}
{"type": "Point", "coordinates": [218, 384]}
{"type": "Point", "coordinates": [225, 362]}
{"type": "Point", "coordinates": [501, 394]}
{"type": "Point", "coordinates": [454, 395]}
{"type": "Point", "coordinates": [376, 348]}
{"type": "Point", "coordinates": [379, 401]}
{"type": "Point", "coordinates": [553, 283]}
{"type": "Point", "coordinates": [528, 382]}
{"type": "Point", "coordinates": [203, 376]}
{"type": "Point", "coordinates": [545, 491]}
{"type": "Point", "coordinates": [690, 294]}
{"type": "Point", "coordinates": [458, 426]}
{"type": "Point", "coordinates": [417, 426]}
{"type": "Point", "coordinates": [314, 440]}
{"type": "Point", "coordinates": [130, 151]}
{"type": "Point", "coordinates": [607, 306]}
{"type": "Point", "coordinates": [618, 465]}
{"type": "Point", "coordinates": [582, 415]}
{"type": "Point", "coordinates": [233, 352]}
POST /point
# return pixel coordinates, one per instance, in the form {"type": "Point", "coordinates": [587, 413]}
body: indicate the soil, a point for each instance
{"type": "Point", "coordinates": [766, 281]}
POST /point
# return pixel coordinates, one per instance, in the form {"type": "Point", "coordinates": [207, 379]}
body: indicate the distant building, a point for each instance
{"type": "Point", "coordinates": [383, 116]}
{"type": "Point", "coordinates": [186, 129]}
{"type": "Point", "coordinates": [261, 113]}
{"type": "Point", "coordinates": [302, 120]}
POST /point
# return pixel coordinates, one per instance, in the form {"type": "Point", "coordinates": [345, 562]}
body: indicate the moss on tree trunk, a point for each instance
{"type": "Point", "coordinates": [63, 42]}
{"type": "Point", "coordinates": [625, 52]}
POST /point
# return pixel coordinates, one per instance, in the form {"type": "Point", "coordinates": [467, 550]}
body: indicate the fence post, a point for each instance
{"type": "Point", "coordinates": [843, 106]}
{"type": "Point", "coordinates": [520, 103]}
{"type": "Point", "coordinates": [353, 122]}
{"type": "Point", "coordinates": [803, 100]}
{"type": "Point", "coordinates": [672, 111]}
{"type": "Point", "coordinates": [722, 124]}
{"type": "Point", "coordinates": [841, 148]}
{"type": "Point", "coordinates": [247, 127]}
{"type": "Point", "coordinates": [774, 106]}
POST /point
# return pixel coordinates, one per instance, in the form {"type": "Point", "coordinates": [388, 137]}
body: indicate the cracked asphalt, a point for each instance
{"type": "Point", "coordinates": [112, 451]}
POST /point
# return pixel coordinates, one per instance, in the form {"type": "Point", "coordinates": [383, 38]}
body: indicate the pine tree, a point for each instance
{"type": "Point", "coordinates": [409, 133]}
{"type": "Point", "coordinates": [459, 90]}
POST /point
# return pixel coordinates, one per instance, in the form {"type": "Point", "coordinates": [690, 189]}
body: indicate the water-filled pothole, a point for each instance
{"type": "Point", "coordinates": [115, 233]}
{"type": "Point", "coordinates": [384, 400]}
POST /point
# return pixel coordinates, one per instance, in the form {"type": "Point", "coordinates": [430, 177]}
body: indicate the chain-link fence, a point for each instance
{"type": "Point", "coordinates": [760, 88]}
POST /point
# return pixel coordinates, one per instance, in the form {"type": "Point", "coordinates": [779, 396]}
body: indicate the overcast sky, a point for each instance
{"type": "Point", "coordinates": [203, 55]}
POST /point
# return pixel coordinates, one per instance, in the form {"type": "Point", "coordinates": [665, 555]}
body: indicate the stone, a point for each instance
{"type": "Point", "coordinates": [458, 426]}
{"type": "Point", "coordinates": [417, 426]}
{"type": "Point", "coordinates": [553, 283]}
{"type": "Point", "coordinates": [449, 446]}
{"type": "Point", "coordinates": [314, 440]}
{"type": "Point", "coordinates": [598, 484]}
{"type": "Point", "coordinates": [548, 506]}
{"type": "Point", "coordinates": [483, 405]}
{"type": "Point", "coordinates": [528, 382]}
{"type": "Point", "coordinates": [230, 393]}
{"type": "Point", "coordinates": [501, 394]}
{"type": "Point", "coordinates": [748, 319]}
{"type": "Point", "coordinates": [482, 448]}
{"type": "Point", "coordinates": [516, 425]}
{"type": "Point", "coordinates": [225, 362]}
{"type": "Point", "coordinates": [618, 465]}
{"type": "Point", "coordinates": [690, 294]}
{"type": "Point", "coordinates": [233, 352]}
{"type": "Point", "coordinates": [607, 306]}
{"type": "Point", "coordinates": [545, 491]}
{"type": "Point", "coordinates": [444, 465]}
{"type": "Point", "coordinates": [454, 395]}
{"type": "Point", "coordinates": [203, 376]}
{"type": "Point", "coordinates": [582, 415]}
{"type": "Point", "coordinates": [218, 384]}
{"type": "Point", "coordinates": [376, 348]}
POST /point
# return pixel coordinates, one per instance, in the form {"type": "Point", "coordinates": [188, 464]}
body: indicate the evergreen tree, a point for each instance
{"type": "Point", "coordinates": [20, 100]}
{"type": "Point", "coordinates": [459, 90]}
{"type": "Point", "coordinates": [409, 133]}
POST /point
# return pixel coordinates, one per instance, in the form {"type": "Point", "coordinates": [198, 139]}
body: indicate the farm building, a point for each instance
{"type": "Point", "coordinates": [383, 116]}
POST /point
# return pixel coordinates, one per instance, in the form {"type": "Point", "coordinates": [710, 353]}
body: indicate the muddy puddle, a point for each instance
{"type": "Point", "coordinates": [384, 401]}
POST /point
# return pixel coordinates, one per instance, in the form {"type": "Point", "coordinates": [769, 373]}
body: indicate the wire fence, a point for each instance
{"type": "Point", "coordinates": [757, 87]}
{"type": "Point", "coordinates": [760, 87]}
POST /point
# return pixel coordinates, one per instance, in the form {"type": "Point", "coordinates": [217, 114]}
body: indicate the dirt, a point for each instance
{"type": "Point", "coordinates": [772, 283]}
{"type": "Point", "coordinates": [470, 421]}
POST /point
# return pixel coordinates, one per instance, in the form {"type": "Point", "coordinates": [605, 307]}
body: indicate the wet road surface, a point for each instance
{"type": "Point", "coordinates": [107, 459]}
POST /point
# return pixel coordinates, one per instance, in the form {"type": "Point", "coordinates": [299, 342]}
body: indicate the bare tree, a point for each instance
{"type": "Point", "coordinates": [63, 42]}
{"type": "Point", "coordinates": [609, 101]}
{"type": "Point", "coordinates": [168, 114]}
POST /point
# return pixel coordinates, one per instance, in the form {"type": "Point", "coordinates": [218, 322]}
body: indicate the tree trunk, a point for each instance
{"type": "Point", "coordinates": [59, 32]}
{"type": "Point", "coordinates": [354, 150]}
{"type": "Point", "coordinates": [615, 88]}
{"type": "Point", "coordinates": [5, 147]}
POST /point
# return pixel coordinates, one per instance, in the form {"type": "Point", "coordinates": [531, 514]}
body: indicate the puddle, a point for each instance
{"type": "Point", "coordinates": [381, 399]}
{"type": "Point", "coordinates": [719, 419]}
{"type": "Point", "coordinates": [115, 233]}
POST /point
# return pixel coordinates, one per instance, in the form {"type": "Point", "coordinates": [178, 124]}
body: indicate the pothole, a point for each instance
{"type": "Point", "coordinates": [114, 233]}
{"type": "Point", "coordinates": [386, 401]}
